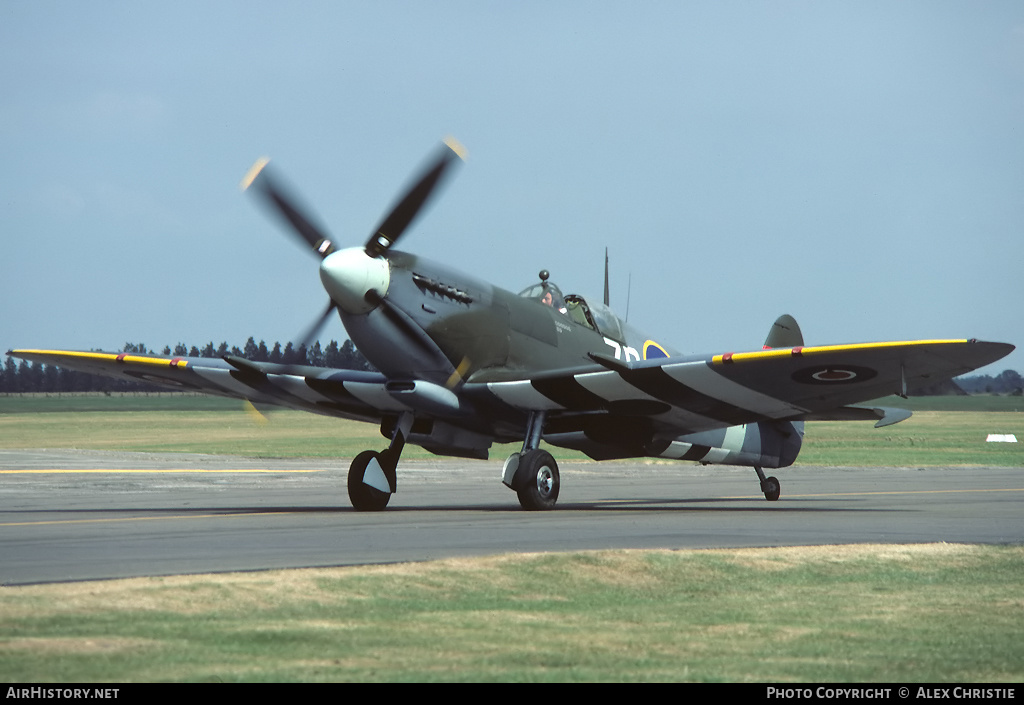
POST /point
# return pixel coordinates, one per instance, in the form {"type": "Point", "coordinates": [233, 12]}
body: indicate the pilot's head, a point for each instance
{"type": "Point", "coordinates": [547, 299]}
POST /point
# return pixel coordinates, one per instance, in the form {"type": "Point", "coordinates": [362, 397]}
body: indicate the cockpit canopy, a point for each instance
{"type": "Point", "coordinates": [594, 316]}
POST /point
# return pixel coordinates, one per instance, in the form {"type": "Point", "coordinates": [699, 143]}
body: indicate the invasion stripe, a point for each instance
{"type": "Point", "coordinates": [614, 388]}
{"type": "Point", "coordinates": [333, 391]}
{"type": "Point", "coordinates": [333, 396]}
{"type": "Point", "coordinates": [569, 393]}
{"type": "Point", "coordinates": [610, 386]}
{"type": "Point", "coordinates": [225, 379]}
{"type": "Point", "coordinates": [694, 452]}
{"type": "Point", "coordinates": [704, 379]}
{"type": "Point", "coordinates": [375, 395]}
{"type": "Point", "coordinates": [299, 387]}
{"type": "Point", "coordinates": [659, 384]}
{"type": "Point", "coordinates": [522, 395]}
{"type": "Point", "coordinates": [253, 385]}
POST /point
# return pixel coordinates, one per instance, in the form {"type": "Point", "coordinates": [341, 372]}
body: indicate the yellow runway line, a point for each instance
{"type": "Point", "coordinates": [39, 471]}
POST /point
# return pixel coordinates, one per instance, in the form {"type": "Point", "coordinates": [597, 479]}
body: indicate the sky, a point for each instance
{"type": "Point", "coordinates": [857, 165]}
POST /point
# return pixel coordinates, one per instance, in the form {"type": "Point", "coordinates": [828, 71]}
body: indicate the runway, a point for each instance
{"type": "Point", "coordinates": [84, 515]}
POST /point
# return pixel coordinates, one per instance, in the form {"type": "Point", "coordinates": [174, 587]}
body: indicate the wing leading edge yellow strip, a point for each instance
{"type": "Point", "coordinates": [110, 357]}
{"type": "Point", "coordinates": [820, 349]}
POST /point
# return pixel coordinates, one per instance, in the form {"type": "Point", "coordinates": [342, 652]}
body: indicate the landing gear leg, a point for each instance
{"type": "Point", "coordinates": [533, 473]}
{"type": "Point", "coordinates": [769, 485]}
{"type": "Point", "coordinates": [371, 477]}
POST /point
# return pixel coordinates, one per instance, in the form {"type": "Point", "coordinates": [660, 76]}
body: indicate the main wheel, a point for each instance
{"type": "Point", "coordinates": [539, 473]}
{"type": "Point", "coordinates": [367, 497]}
{"type": "Point", "coordinates": [771, 488]}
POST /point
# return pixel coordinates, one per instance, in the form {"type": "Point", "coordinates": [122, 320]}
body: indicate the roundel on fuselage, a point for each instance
{"type": "Point", "coordinates": [652, 350]}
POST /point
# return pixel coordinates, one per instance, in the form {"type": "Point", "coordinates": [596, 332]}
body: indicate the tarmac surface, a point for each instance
{"type": "Point", "coordinates": [86, 515]}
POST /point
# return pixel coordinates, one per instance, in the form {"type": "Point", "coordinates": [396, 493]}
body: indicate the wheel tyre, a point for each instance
{"type": "Point", "coordinates": [363, 497]}
{"type": "Point", "coordinates": [539, 473]}
{"type": "Point", "coordinates": [771, 488]}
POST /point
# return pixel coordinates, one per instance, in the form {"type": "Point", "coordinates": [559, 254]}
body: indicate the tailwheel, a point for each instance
{"type": "Point", "coordinates": [769, 485]}
{"type": "Point", "coordinates": [369, 481]}
{"type": "Point", "coordinates": [537, 480]}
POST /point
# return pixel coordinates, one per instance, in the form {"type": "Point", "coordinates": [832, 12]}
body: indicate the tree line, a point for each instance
{"type": "Point", "coordinates": [24, 377]}
{"type": "Point", "coordinates": [1008, 382]}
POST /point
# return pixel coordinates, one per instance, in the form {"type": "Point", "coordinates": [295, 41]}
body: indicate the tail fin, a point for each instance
{"type": "Point", "coordinates": [785, 333]}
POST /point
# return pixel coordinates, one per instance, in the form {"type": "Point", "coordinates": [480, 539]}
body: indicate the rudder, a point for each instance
{"type": "Point", "coordinates": [784, 333]}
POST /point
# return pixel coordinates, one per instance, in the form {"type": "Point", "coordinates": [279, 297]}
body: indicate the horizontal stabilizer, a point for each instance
{"type": "Point", "coordinates": [886, 415]}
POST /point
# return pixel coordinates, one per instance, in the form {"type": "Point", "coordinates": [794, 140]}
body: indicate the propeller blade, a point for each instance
{"type": "Point", "coordinates": [311, 335]}
{"type": "Point", "coordinates": [410, 205]}
{"type": "Point", "coordinates": [314, 330]}
{"type": "Point", "coordinates": [259, 179]}
{"type": "Point", "coordinates": [459, 375]}
{"type": "Point", "coordinates": [412, 332]}
{"type": "Point", "coordinates": [255, 414]}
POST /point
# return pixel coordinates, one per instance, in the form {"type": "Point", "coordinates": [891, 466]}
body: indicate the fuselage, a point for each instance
{"type": "Point", "coordinates": [482, 331]}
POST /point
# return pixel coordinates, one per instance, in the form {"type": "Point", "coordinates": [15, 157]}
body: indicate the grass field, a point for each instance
{"type": "Point", "coordinates": [953, 435]}
{"type": "Point", "coordinates": [928, 438]}
{"type": "Point", "coordinates": [937, 613]}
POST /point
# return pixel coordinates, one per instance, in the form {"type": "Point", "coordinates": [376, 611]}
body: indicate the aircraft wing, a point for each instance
{"type": "Point", "coordinates": [345, 393]}
{"type": "Point", "coordinates": [666, 397]}
{"type": "Point", "coordinates": [702, 393]}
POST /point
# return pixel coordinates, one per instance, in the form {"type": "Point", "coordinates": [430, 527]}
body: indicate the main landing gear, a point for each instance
{"type": "Point", "coordinates": [769, 485]}
{"type": "Point", "coordinates": [534, 477]}
{"type": "Point", "coordinates": [533, 473]}
{"type": "Point", "coordinates": [372, 480]}
{"type": "Point", "coordinates": [371, 477]}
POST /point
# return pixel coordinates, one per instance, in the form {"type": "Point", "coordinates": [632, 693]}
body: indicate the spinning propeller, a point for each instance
{"type": "Point", "coordinates": [356, 279]}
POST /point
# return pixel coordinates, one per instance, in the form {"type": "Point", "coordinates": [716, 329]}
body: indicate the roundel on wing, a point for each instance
{"type": "Point", "coordinates": [838, 374]}
{"type": "Point", "coordinates": [653, 351]}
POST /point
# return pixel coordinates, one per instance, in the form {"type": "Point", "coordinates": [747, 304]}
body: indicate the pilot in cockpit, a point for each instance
{"type": "Point", "coordinates": [546, 293]}
{"type": "Point", "coordinates": [548, 299]}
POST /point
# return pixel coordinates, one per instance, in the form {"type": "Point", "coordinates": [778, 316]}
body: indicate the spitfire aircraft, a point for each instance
{"type": "Point", "coordinates": [462, 364]}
